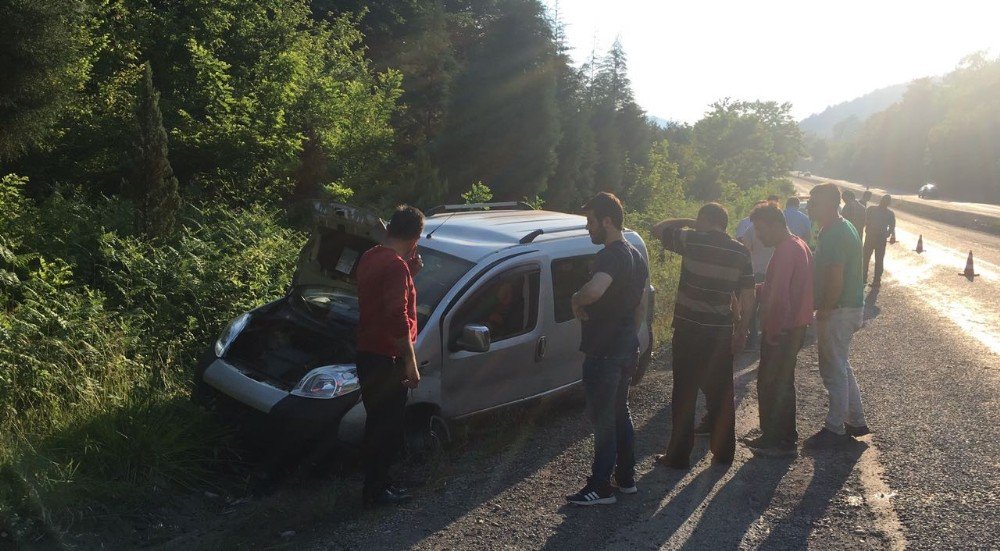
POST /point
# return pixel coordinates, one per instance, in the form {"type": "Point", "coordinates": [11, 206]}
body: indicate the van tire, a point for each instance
{"type": "Point", "coordinates": [427, 433]}
{"type": "Point", "coordinates": [644, 361]}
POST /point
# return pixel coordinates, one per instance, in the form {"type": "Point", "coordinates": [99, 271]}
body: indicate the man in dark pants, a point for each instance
{"type": "Point", "coordinates": [881, 224]}
{"type": "Point", "coordinates": [714, 268]}
{"type": "Point", "coordinates": [387, 364]}
{"type": "Point", "coordinates": [786, 305]}
{"type": "Point", "coordinates": [609, 308]}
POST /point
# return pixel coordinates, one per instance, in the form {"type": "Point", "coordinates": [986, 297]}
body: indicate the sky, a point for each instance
{"type": "Point", "coordinates": [685, 55]}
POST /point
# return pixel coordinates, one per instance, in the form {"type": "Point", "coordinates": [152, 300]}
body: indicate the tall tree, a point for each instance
{"type": "Point", "coordinates": [151, 182]}
{"type": "Point", "coordinates": [502, 126]}
{"type": "Point", "coordinates": [44, 60]}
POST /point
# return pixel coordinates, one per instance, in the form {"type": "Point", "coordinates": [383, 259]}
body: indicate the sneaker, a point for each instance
{"type": "Point", "coordinates": [593, 496]}
{"type": "Point", "coordinates": [857, 432]}
{"type": "Point", "coordinates": [704, 428]}
{"type": "Point", "coordinates": [625, 485]}
{"type": "Point", "coordinates": [826, 438]}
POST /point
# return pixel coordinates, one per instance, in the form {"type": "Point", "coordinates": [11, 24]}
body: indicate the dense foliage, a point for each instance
{"type": "Point", "coordinates": [157, 156]}
{"type": "Point", "coordinates": [945, 130]}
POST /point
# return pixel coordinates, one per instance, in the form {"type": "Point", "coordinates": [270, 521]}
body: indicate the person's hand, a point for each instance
{"type": "Point", "coordinates": [579, 312]}
{"type": "Point", "coordinates": [415, 263]}
{"type": "Point", "coordinates": [412, 374]}
{"type": "Point", "coordinates": [739, 341]}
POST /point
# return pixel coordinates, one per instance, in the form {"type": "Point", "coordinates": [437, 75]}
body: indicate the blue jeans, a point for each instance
{"type": "Point", "coordinates": [606, 382]}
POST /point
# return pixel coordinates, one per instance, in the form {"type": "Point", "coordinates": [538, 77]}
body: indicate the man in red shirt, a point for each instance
{"type": "Point", "coordinates": [786, 305]}
{"type": "Point", "coordinates": [387, 364]}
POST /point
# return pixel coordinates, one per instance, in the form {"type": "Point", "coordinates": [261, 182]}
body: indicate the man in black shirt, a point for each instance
{"type": "Point", "coordinates": [714, 268]}
{"type": "Point", "coordinates": [609, 308]}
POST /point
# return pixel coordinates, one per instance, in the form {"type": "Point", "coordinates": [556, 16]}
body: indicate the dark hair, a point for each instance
{"type": "Point", "coordinates": [829, 192]}
{"type": "Point", "coordinates": [866, 195]}
{"type": "Point", "coordinates": [767, 214]}
{"type": "Point", "coordinates": [606, 205]}
{"type": "Point", "coordinates": [774, 198]}
{"type": "Point", "coordinates": [714, 214]}
{"type": "Point", "coordinates": [407, 223]}
{"type": "Point", "coordinates": [847, 194]}
{"type": "Point", "coordinates": [793, 202]}
{"type": "Point", "coordinates": [887, 199]}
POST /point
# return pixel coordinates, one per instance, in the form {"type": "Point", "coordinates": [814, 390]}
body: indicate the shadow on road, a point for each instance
{"type": "Point", "coordinates": [831, 471]}
{"type": "Point", "coordinates": [872, 310]}
{"type": "Point", "coordinates": [738, 504]}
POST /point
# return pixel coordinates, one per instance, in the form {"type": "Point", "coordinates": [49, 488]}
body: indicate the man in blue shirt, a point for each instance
{"type": "Point", "coordinates": [798, 223]}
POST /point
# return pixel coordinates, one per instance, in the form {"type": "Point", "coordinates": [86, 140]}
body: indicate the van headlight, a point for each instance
{"type": "Point", "coordinates": [230, 333]}
{"type": "Point", "coordinates": [329, 381]}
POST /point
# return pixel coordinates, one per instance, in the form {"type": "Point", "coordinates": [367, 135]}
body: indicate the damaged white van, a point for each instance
{"type": "Point", "coordinates": [495, 323]}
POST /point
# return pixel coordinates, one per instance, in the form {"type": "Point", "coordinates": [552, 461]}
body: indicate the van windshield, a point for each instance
{"type": "Point", "coordinates": [433, 282]}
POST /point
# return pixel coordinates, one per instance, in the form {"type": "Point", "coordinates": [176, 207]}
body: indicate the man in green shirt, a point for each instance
{"type": "Point", "coordinates": [839, 298]}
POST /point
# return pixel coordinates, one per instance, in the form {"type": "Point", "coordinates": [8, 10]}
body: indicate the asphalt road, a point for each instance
{"type": "Point", "coordinates": [978, 208]}
{"type": "Point", "coordinates": [928, 362]}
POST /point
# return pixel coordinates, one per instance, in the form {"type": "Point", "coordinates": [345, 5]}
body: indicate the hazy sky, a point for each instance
{"type": "Point", "coordinates": [685, 55]}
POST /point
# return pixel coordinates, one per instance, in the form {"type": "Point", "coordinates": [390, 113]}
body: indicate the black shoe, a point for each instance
{"type": "Point", "coordinates": [590, 495]}
{"type": "Point", "coordinates": [666, 461]}
{"type": "Point", "coordinates": [857, 432]}
{"type": "Point", "coordinates": [386, 497]}
{"type": "Point", "coordinates": [826, 438]}
{"type": "Point", "coordinates": [704, 428]}
{"type": "Point", "coordinates": [625, 485]}
{"type": "Point", "coordinates": [771, 448]}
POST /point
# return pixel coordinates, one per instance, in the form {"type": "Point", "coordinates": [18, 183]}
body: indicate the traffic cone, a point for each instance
{"type": "Point", "coordinates": [920, 244]}
{"type": "Point", "coordinates": [969, 270]}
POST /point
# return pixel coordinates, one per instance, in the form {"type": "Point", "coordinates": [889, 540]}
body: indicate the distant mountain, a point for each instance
{"type": "Point", "coordinates": [658, 121]}
{"type": "Point", "coordinates": [822, 124]}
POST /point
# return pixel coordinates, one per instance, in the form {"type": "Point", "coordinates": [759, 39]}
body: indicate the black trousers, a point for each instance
{"type": "Point", "coordinates": [702, 358]}
{"type": "Point", "coordinates": [384, 396]}
{"type": "Point", "coordinates": [876, 246]}
{"type": "Point", "coordinates": [776, 387]}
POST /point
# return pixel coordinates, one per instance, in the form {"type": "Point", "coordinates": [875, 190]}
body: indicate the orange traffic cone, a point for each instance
{"type": "Point", "coordinates": [969, 270]}
{"type": "Point", "coordinates": [920, 244]}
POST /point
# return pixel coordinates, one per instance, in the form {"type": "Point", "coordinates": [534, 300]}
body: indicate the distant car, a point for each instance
{"type": "Point", "coordinates": [929, 191]}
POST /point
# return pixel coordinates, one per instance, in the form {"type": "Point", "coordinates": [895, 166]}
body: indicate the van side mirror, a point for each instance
{"type": "Point", "coordinates": [475, 338]}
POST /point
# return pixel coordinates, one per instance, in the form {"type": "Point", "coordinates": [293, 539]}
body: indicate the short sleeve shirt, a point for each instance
{"type": "Point", "coordinates": [611, 330]}
{"type": "Point", "coordinates": [714, 266]}
{"type": "Point", "coordinates": [839, 244]}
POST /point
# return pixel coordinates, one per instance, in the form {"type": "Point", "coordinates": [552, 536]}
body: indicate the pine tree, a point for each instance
{"type": "Point", "coordinates": [153, 186]}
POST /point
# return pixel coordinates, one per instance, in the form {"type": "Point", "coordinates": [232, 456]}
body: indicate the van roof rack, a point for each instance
{"type": "Point", "coordinates": [509, 205]}
{"type": "Point", "coordinates": [535, 233]}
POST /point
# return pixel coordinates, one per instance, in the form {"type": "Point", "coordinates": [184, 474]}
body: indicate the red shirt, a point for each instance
{"type": "Point", "coordinates": [786, 300]}
{"type": "Point", "coordinates": [387, 299]}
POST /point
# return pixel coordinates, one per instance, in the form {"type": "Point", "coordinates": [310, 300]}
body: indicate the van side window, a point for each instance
{"type": "Point", "coordinates": [568, 275]}
{"type": "Point", "coordinates": [508, 305]}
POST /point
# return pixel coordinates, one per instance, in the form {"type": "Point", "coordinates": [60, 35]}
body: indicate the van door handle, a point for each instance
{"type": "Point", "coordinates": [543, 345]}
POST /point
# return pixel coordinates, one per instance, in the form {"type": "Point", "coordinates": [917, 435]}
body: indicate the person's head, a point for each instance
{"type": "Point", "coordinates": [605, 217]}
{"type": "Point", "coordinates": [773, 199]}
{"type": "Point", "coordinates": [866, 196]}
{"type": "Point", "coordinates": [823, 202]}
{"type": "Point", "coordinates": [769, 224]}
{"type": "Point", "coordinates": [885, 201]}
{"type": "Point", "coordinates": [848, 196]}
{"type": "Point", "coordinates": [712, 216]}
{"type": "Point", "coordinates": [405, 226]}
{"type": "Point", "coordinates": [792, 203]}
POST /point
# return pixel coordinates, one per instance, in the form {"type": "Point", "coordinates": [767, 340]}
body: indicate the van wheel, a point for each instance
{"type": "Point", "coordinates": [644, 361]}
{"type": "Point", "coordinates": [427, 434]}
